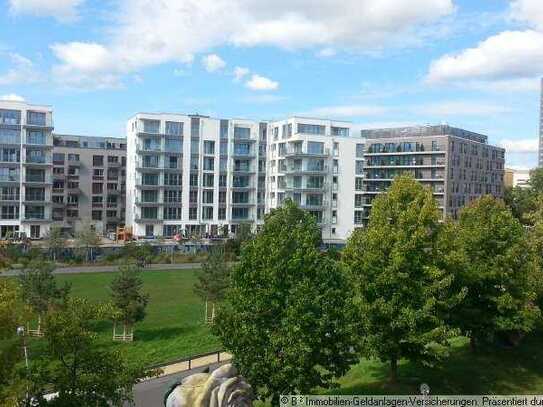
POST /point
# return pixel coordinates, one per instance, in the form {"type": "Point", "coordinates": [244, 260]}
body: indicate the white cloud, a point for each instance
{"type": "Point", "coordinates": [528, 11]}
{"type": "Point", "coordinates": [62, 10]}
{"type": "Point", "coordinates": [347, 111]}
{"type": "Point", "coordinates": [258, 82]}
{"type": "Point", "coordinates": [171, 30]}
{"type": "Point", "coordinates": [213, 63]}
{"type": "Point", "coordinates": [326, 53]}
{"type": "Point", "coordinates": [522, 146]}
{"type": "Point", "coordinates": [462, 108]}
{"type": "Point", "coordinates": [240, 73]}
{"type": "Point", "coordinates": [22, 70]}
{"type": "Point", "coordinates": [505, 56]}
{"type": "Point", "coordinates": [12, 97]}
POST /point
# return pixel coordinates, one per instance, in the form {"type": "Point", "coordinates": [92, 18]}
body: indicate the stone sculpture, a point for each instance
{"type": "Point", "coordinates": [221, 388]}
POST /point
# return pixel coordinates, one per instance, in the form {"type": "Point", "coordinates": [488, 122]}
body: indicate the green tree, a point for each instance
{"type": "Point", "coordinates": [87, 238]}
{"type": "Point", "coordinates": [11, 316]}
{"type": "Point", "coordinates": [55, 241]}
{"type": "Point", "coordinates": [535, 237]}
{"type": "Point", "coordinates": [39, 288]}
{"type": "Point", "coordinates": [244, 234]}
{"type": "Point", "coordinates": [212, 281]}
{"type": "Point", "coordinates": [521, 201]}
{"type": "Point", "coordinates": [403, 294]}
{"type": "Point", "coordinates": [76, 366]}
{"type": "Point", "coordinates": [496, 263]}
{"type": "Point", "coordinates": [536, 180]}
{"type": "Point", "coordinates": [287, 317]}
{"type": "Point", "coordinates": [128, 298]}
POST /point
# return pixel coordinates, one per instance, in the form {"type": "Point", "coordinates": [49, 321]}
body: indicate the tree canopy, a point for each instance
{"type": "Point", "coordinates": [287, 317]}
{"type": "Point", "coordinates": [498, 266]}
{"type": "Point", "coordinates": [402, 292]}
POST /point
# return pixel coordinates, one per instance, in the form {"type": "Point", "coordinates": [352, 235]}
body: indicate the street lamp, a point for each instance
{"type": "Point", "coordinates": [21, 333]}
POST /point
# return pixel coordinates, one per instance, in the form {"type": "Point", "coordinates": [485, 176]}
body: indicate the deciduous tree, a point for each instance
{"type": "Point", "coordinates": [287, 318]}
{"type": "Point", "coordinates": [128, 298]}
{"type": "Point", "coordinates": [403, 294]}
{"type": "Point", "coordinates": [497, 265]}
{"type": "Point", "coordinates": [212, 281]}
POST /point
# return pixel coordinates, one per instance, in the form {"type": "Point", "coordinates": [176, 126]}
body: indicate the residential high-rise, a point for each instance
{"type": "Point", "coordinates": [88, 182]}
{"type": "Point", "coordinates": [458, 165]}
{"type": "Point", "coordinates": [25, 168]}
{"type": "Point", "coordinates": [314, 162]}
{"type": "Point", "coordinates": [193, 174]}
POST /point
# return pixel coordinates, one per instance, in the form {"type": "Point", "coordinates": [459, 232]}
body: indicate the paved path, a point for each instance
{"type": "Point", "coordinates": [150, 393]}
{"type": "Point", "coordinates": [110, 269]}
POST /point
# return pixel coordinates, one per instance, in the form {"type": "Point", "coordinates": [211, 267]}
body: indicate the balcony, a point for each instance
{"type": "Point", "coordinates": [10, 178]}
{"type": "Point", "coordinates": [9, 197]}
{"type": "Point", "coordinates": [57, 204]}
{"type": "Point", "coordinates": [299, 152]}
{"type": "Point", "coordinates": [36, 217]}
{"type": "Point", "coordinates": [37, 180]}
{"type": "Point", "coordinates": [10, 141]}
{"type": "Point", "coordinates": [36, 198]}
{"type": "Point", "coordinates": [74, 163]}
{"type": "Point", "coordinates": [113, 191]}
{"type": "Point", "coordinates": [241, 204]}
{"type": "Point", "coordinates": [307, 170]}
{"type": "Point", "coordinates": [113, 164]}
{"type": "Point", "coordinates": [147, 220]}
{"type": "Point", "coordinates": [307, 187]}
{"type": "Point", "coordinates": [73, 190]}
{"type": "Point", "coordinates": [37, 161]}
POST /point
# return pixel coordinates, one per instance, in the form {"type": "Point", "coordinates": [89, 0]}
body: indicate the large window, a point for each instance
{"type": "Point", "coordinates": [174, 128]}
{"type": "Point", "coordinates": [149, 213]}
{"type": "Point", "coordinates": [242, 133]}
{"type": "Point", "coordinates": [314, 147]}
{"type": "Point", "coordinates": [311, 129]}
{"type": "Point", "coordinates": [242, 149]}
{"type": "Point", "coordinates": [36, 137]}
{"type": "Point", "coordinates": [240, 213]}
{"type": "Point", "coordinates": [151, 126]}
{"type": "Point", "coordinates": [10, 136]}
{"type": "Point", "coordinates": [340, 131]}
{"type": "Point", "coordinates": [36, 118]}
{"type": "Point", "coordinates": [12, 117]}
{"type": "Point", "coordinates": [209, 147]}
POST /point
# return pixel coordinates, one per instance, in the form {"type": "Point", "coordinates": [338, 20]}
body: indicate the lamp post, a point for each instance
{"type": "Point", "coordinates": [21, 332]}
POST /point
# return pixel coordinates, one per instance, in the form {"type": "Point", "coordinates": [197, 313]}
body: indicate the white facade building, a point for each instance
{"type": "Point", "coordinates": [25, 168]}
{"type": "Point", "coordinates": [314, 162]}
{"type": "Point", "coordinates": [193, 174]}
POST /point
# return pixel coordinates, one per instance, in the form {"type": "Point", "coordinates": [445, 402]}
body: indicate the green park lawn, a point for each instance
{"type": "Point", "coordinates": [173, 327]}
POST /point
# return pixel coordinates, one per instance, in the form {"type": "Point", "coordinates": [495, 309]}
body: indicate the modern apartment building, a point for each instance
{"type": "Point", "coordinates": [89, 182]}
{"type": "Point", "coordinates": [314, 163]}
{"type": "Point", "coordinates": [458, 165]}
{"type": "Point", "coordinates": [25, 168]}
{"type": "Point", "coordinates": [192, 174]}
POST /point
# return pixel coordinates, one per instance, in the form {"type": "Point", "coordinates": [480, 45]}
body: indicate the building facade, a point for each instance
{"type": "Point", "coordinates": [516, 178]}
{"type": "Point", "coordinates": [193, 175]}
{"type": "Point", "coordinates": [89, 182]}
{"type": "Point", "coordinates": [457, 165]}
{"type": "Point", "coordinates": [25, 168]}
{"type": "Point", "coordinates": [314, 163]}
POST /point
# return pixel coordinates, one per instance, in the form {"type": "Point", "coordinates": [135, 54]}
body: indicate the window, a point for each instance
{"type": "Point", "coordinates": [73, 157]}
{"type": "Point", "coordinates": [173, 179]}
{"type": "Point", "coordinates": [359, 184]}
{"type": "Point", "coordinates": [207, 212]}
{"type": "Point", "coordinates": [209, 180]}
{"type": "Point", "coordinates": [209, 147]}
{"type": "Point", "coordinates": [311, 129]}
{"type": "Point", "coordinates": [209, 164]}
{"type": "Point", "coordinates": [315, 147]}
{"type": "Point", "coordinates": [359, 150]}
{"type": "Point", "coordinates": [240, 213]}
{"type": "Point", "coordinates": [96, 215]}
{"type": "Point", "coordinates": [193, 213]}
{"type": "Point", "coordinates": [242, 133]}
{"type": "Point", "coordinates": [10, 117]}
{"type": "Point", "coordinates": [151, 126]}
{"type": "Point", "coordinates": [207, 197]}
{"type": "Point", "coordinates": [242, 149]}
{"type": "Point", "coordinates": [222, 196]}
{"type": "Point", "coordinates": [172, 213]}
{"type": "Point", "coordinates": [193, 197]}
{"type": "Point", "coordinates": [222, 181]}
{"type": "Point", "coordinates": [358, 200]}
{"type": "Point", "coordinates": [36, 137]}
{"type": "Point", "coordinates": [98, 160]}
{"type": "Point", "coordinates": [174, 128]}
{"type": "Point", "coordinates": [149, 179]}
{"type": "Point", "coordinates": [97, 188]}
{"type": "Point", "coordinates": [224, 129]}
{"type": "Point", "coordinates": [58, 158]}
{"type": "Point", "coordinates": [222, 213]}
{"type": "Point", "coordinates": [36, 118]}
{"type": "Point", "coordinates": [149, 212]}
{"type": "Point", "coordinates": [193, 182]}
{"type": "Point", "coordinates": [340, 131]}
{"type": "Point", "coordinates": [358, 217]}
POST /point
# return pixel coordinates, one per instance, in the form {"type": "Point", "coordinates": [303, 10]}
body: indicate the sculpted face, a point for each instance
{"type": "Point", "coordinates": [221, 388]}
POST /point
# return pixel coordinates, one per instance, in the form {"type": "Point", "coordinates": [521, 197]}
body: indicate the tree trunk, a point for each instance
{"type": "Point", "coordinates": [472, 343]}
{"type": "Point", "coordinates": [205, 318]}
{"type": "Point", "coordinates": [393, 371]}
{"type": "Point", "coordinates": [124, 331]}
{"type": "Point", "coordinates": [39, 324]}
{"type": "Point", "coordinates": [213, 313]}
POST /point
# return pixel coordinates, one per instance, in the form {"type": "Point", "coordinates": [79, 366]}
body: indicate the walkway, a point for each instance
{"type": "Point", "coordinates": [111, 269]}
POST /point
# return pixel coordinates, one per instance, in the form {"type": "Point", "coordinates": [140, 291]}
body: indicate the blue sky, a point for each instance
{"type": "Point", "coordinates": [470, 63]}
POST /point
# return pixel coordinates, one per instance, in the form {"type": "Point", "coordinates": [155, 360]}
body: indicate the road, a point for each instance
{"type": "Point", "coordinates": [111, 269]}
{"type": "Point", "coordinates": [150, 393]}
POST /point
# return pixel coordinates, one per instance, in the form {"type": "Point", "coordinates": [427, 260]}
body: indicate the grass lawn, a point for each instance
{"type": "Point", "coordinates": [173, 327]}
